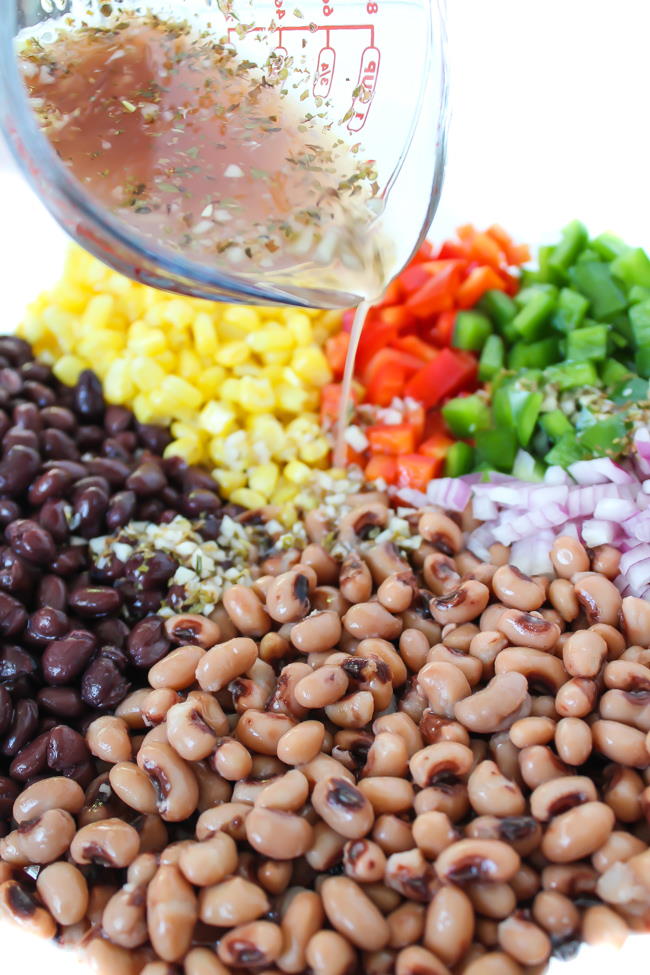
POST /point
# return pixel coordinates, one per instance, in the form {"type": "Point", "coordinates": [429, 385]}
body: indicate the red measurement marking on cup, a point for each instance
{"type": "Point", "coordinates": [324, 72]}
{"type": "Point", "coordinates": [366, 88]}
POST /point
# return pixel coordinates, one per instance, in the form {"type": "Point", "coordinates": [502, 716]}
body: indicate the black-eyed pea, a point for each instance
{"type": "Point", "coordinates": [491, 792]}
{"type": "Point", "coordinates": [41, 840]}
{"type": "Point", "coordinates": [278, 834]}
{"type": "Point", "coordinates": [490, 616]}
{"type": "Point", "coordinates": [568, 557]}
{"type": "Point", "coordinates": [224, 662]}
{"type": "Point", "coordinates": [384, 559]}
{"type": "Point", "coordinates": [260, 731]}
{"type": "Point", "coordinates": [156, 705]}
{"type": "Point", "coordinates": [355, 580]}
{"type": "Point", "coordinates": [387, 756]}
{"type": "Point", "coordinates": [364, 861]}
{"type": "Point", "coordinates": [470, 860]}
{"type": "Point", "coordinates": [406, 924]}
{"type": "Point", "coordinates": [461, 605]}
{"type": "Point", "coordinates": [606, 561]}
{"type": "Point", "coordinates": [516, 590]}
{"type": "Point", "coordinates": [379, 962]}
{"type": "Point", "coordinates": [400, 724]}
{"type": "Point", "coordinates": [570, 879]}
{"type": "Point", "coordinates": [522, 833]}
{"type": "Point", "coordinates": [543, 670]}
{"type": "Point", "coordinates": [497, 706]}
{"type": "Point", "coordinates": [203, 961]}
{"type": "Point", "coordinates": [458, 636]}
{"type": "Point", "coordinates": [133, 787]}
{"type": "Point", "coordinates": [20, 908]}
{"type": "Point", "coordinates": [172, 911]}
{"type": "Point", "coordinates": [437, 762]}
{"type": "Point", "coordinates": [325, 766]}
{"type": "Point", "coordinates": [329, 953]}
{"type": "Point", "coordinates": [287, 598]}
{"type": "Point", "coordinates": [152, 832]}
{"type": "Point", "coordinates": [274, 875]}
{"type": "Point", "coordinates": [326, 848]}
{"type": "Point", "coordinates": [108, 843]}
{"type": "Point", "coordinates": [283, 699]}
{"type": "Point", "coordinates": [433, 833]}
{"type": "Point", "coordinates": [449, 924]}
{"type": "Point", "coordinates": [319, 559]}
{"type": "Point", "coordinates": [63, 889]}
{"type": "Point", "coordinates": [382, 650]}
{"type": "Point", "coordinates": [322, 687]}
{"type": "Point", "coordinates": [616, 642]}
{"type": "Point", "coordinates": [532, 731]}
{"type": "Point", "coordinates": [370, 620]}
{"type": "Point", "coordinates": [471, 667]}
{"type": "Point", "coordinates": [351, 912]}
{"type": "Point", "coordinates": [506, 755]}
{"type": "Point", "coordinates": [177, 670]}
{"type": "Point", "coordinates": [435, 728]}
{"type": "Point", "coordinates": [450, 798]}
{"type": "Point", "coordinates": [528, 629]}
{"type": "Point", "coordinates": [108, 739]}
{"type": "Point", "coordinates": [343, 806]}
{"type": "Point", "coordinates": [443, 685]}
{"type": "Point", "coordinates": [493, 963]}
{"type": "Point", "coordinates": [246, 611]}
{"type": "Point", "coordinates": [319, 631]}
{"type": "Point", "coordinates": [124, 919]}
{"type": "Point", "coordinates": [231, 760]}
{"type": "Point", "coordinates": [57, 792]}
{"type": "Point", "coordinates": [584, 653]}
{"type": "Point", "coordinates": [539, 764]}
{"type": "Point", "coordinates": [410, 874]}
{"type": "Point", "coordinates": [228, 816]}
{"type": "Point", "coordinates": [288, 792]}
{"type": "Point", "coordinates": [599, 599]}
{"type": "Point", "coordinates": [440, 573]}
{"type": "Point", "coordinates": [492, 900]}
{"type": "Point", "coordinates": [524, 940]}
{"type": "Point", "coordinates": [557, 796]}
{"type": "Point", "coordinates": [635, 615]}
{"type": "Point", "coordinates": [436, 527]}
{"type": "Point", "coordinates": [416, 960]}
{"type": "Point", "coordinates": [273, 647]}
{"type": "Point", "coordinates": [253, 689]}
{"type": "Point", "coordinates": [485, 647]}
{"type": "Point", "coordinates": [413, 648]}
{"type": "Point", "coordinates": [255, 945]}
{"type": "Point", "coordinates": [620, 743]}
{"type": "Point", "coordinates": [193, 629]}
{"type": "Point", "coordinates": [301, 743]}
{"type": "Point", "coordinates": [396, 591]}
{"type": "Point", "coordinates": [618, 848]}
{"type": "Point", "coordinates": [370, 673]}
{"type": "Point", "coordinates": [231, 902]}
{"type": "Point", "coordinates": [142, 869]}
{"type": "Point", "coordinates": [573, 740]}
{"type": "Point", "coordinates": [623, 790]}
{"type": "Point", "coordinates": [98, 897]}
{"type": "Point", "coordinates": [208, 862]}
{"type": "Point", "coordinates": [602, 926]}
{"type": "Point", "coordinates": [576, 698]}
{"type": "Point", "coordinates": [563, 599]}
{"type": "Point", "coordinates": [301, 920]}
{"type": "Point", "coordinates": [544, 707]}
{"type": "Point", "coordinates": [577, 833]}
{"type": "Point", "coordinates": [176, 786]}
{"type": "Point", "coordinates": [392, 834]}
{"type": "Point", "coordinates": [352, 711]}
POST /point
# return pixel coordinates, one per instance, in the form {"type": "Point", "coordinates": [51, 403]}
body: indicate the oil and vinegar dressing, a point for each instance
{"type": "Point", "coordinates": [191, 146]}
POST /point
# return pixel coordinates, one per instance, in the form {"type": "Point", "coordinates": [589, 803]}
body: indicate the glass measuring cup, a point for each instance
{"type": "Point", "coordinates": [375, 77]}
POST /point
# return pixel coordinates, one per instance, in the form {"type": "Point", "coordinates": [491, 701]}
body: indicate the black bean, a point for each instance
{"type": "Point", "coordinates": [51, 484]}
{"type": "Point", "coordinates": [16, 575]}
{"type": "Point", "coordinates": [147, 479]}
{"type": "Point", "coordinates": [94, 601]}
{"type": "Point", "coordinates": [66, 748]}
{"type": "Point", "coordinates": [31, 760]}
{"type": "Point", "coordinates": [199, 502]}
{"type": "Point", "coordinates": [13, 615]}
{"type": "Point", "coordinates": [46, 724]}
{"type": "Point", "coordinates": [115, 471]}
{"type": "Point", "coordinates": [150, 571]}
{"type": "Point", "coordinates": [11, 380]}
{"type": "Point", "coordinates": [103, 685]}
{"type": "Point", "coordinates": [110, 571]}
{"type": "Point", "coordinates": [65, 659]}
{"type": "Point", "coordinates": [150, 510]}
{"type": "Point", "coordinates": [195, 479]}
{"type": "Point", "coordinates": [9, 511]}
{"type": "Point", "coordinates": [5, 422]}
{"type": "Point", "coordinates": [117, 419]}
{"type": "Point", "coordinates": [39, 393]}
{"type": "Point", "coordinates": [6, 709]}
{"type": "Point", "coordinates": [143, 604]}
{"type": "Point", "coordinates": [60, 418]}
{"type": "Point", "coordinates": [153, 438]}
{"type": "Point", "coordinates": [16, 350]}
{"type": "Point", "coordinates": [74, 469]}
{"type": "Point", "coordinates": [114, 448]}
{"type": "Point", "coordinates": [20, 437]}
{"type": "Point", "coordinates": [23, 727]}
{"type": "Point", "coordinates": [90, 481]}
{"type": "Point", "coordinates": [88, 396]}
{"type": "Point", "coordinates": [31, 541]}
{"type": "Point", "coordinates": [171, 498]}
{"type": "Point", "coordinates": [44, 625]}
{"type": "Point", "coordinates": [210, 527]}
{"type": "Point", "coordinates": [147, 642]}
{"type": "Point", "coordinates": [63, 702]}
{"type": "Point", "coordinates": [69, 561]}
{"type": "Point", "coordinates": [15, 663]}
{"type": "Point", "coordinates": [90, 438]}
{"type": "Point", "coordinates": [88, 512]}
{"type": "Point", "coordinates": [128, 440]}
{"type": "Point", "coordinates": [52, 592]}
{"type": "Point", "coordinates": [38, 371]}
{"type": "Point", "coordinates": [18, 468]}
{"type": "Point", "coordinates": [8, 794]}
{"type": "Point", "coordinates": [58, 445]}
{"type": "Point", "coordinates": [113, 632]}
{"type": "Point", "coordinates": [121, 509]}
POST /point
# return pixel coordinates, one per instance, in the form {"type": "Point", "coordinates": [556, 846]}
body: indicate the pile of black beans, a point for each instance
{"type": "Point", "coordinates": [72, 637]}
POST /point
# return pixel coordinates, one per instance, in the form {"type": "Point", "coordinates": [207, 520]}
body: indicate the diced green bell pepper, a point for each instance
{"type": "Point", "coordinates": [555, 424]}
{"type": "Point", "coordinates": [637, 293]}
{"type": "Point", "coordinates": [492, 358]}
{"type": "Point", "coordinates": [497, 449]}
{"type": "Point", "coordinates": [564, 254]}
{"type": "Point", "coordinates": [570, 310]}
{"type": "Point", "coordinates": [536, 355]}
{"type": "Point", "coordinates": [633, 268]}
{"type": "Point", "coordinates": [587, 343]}
{"type": "Point", "coordinates": [639, 315]}
{"type": "Point", "coordinates": [613, 372]}
{"type": "Point", "coordinates": [594, 280]}
{"type": "Point", "coordinates": [471, 330]}
{"type": "Point", "coordinates": [605, 437]}
{"type": "Point", "coordinates": [569, 375]}
{"type": "Point", "coordinates": [526, 468]}
{"type": "Point", "coordinates": [633, 389]}
{"type": "Point", "coordinates": [609, 246]}
{"type": "Point", "coordinates": [566, 451]}
{"type": "Point", "coordinates": [499, 307]}
{"type": "Point", "coordinates": [459, 459]}
{"type": "Point", "coordinates": [466, 415]}
{"type": "Point", "coordinates": [642, 361]}
{"type": "Point", "coordinates": [533, 315]}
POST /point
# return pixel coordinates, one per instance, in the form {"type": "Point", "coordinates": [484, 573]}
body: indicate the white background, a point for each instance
{"type": "Point", "coordinates": [551, 115]}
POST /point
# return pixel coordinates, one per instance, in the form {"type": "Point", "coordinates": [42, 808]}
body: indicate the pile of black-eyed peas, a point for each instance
{"type": "Point", "coordinates": [361, 764]}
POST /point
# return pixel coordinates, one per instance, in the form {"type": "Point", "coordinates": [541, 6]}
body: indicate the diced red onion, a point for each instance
{"type": "Point", "coordinates": [614, 509]}
{"type": "Point", "coordinates": [597, 532]}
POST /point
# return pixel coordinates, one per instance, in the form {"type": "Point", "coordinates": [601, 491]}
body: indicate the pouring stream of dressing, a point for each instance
{"type": "Point", "coordinates": [346, 387]}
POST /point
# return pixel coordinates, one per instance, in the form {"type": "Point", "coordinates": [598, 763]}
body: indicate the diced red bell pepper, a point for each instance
{"type": "Point", "coordinates": [402, 360]}
{"type": "Point", "coordinates": [417, 275]}
{"type": "Point", "coordinates": [391, 438]}
{"type": "Point", "coordinates": [515, 253]}
{"type": "Point", "coordinates": [442, 332]}
{"type": "Point", "coordinates": [330, 399]}
{"type": "Point", "coordinates": [435, 426]}
{"type": "Point", "coordinates": [486, 250]}
{"type": "Point", "coordinates": [436, 446]}
{"type": "Point", "coordinates": [376, 335]}
{"type": "Point", "coordinates": [452, 249]}
{"type": "Point", "coordinates": [416, 470]}
{"type": "Point", "coordinates": [438, 293]}
{"type": "Point", "coordinates": [353, 457]}
{"type": "Point", "coordinates": [336, 350]}
{"type": "Point", "coordinates": [415, 346]}
{"type": "Point", "coordinates": [451, 371]}
{"type": "Point", "coordinates": [425, 252]}
{"type": "Point", "coordinates": [381, 466]}
{"type": "Point", "coordinates": [391, 296]}
{"type": "Point", "coordinates": [396, 315]}
{"type": "Point", "coordinates": [478, 281]}
{"type": "Point", "coordinates": [387, 382]}
{"type": "Point", "coordinates": [417, 417]}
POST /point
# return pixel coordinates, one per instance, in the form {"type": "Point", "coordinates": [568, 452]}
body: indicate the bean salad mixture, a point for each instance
{"type": "Point", "coordinates": [260, 716]}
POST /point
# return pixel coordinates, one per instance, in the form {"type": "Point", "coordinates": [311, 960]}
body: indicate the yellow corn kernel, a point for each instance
{"type": "Point", "coordinates": [264, 478]}
{"type": "Point", "coordinates": [98, 312]}
{"type": "Point", "coordinates": [178, 312]}
{"type": "Point", "coordinates": [271, 338]}
{"type": "Point", "coordinates": [118, 386]}
{"type": "Point", "coordinates": [256, 395]}
{"type": "Point", "coordinates": [150, 342]}
{"type": "Point", "coordinates": [315, 452]}
{"type": "Point", "coordinates": [303, 429]}
{"type": "Point", "coordinates": [241, 317]}
{"type": "Point", "coordinates": [270, 432]}
{"type": "Point", "coordinates": [289, 516]}
{"type": "Point", "coordinates": [100, 345]}
{"type": "Point", "coordinates": [247, 498]}
{"type": "Point", "coordinates": [68, 368]}
{"type": "Point", "coordinates": [189, 364]}
{"type": "Point", "coordinates": [146, 373]}
{"type": "Point", "coordinates": [144, 411]}
{"type": "Point", "coordinates": [284, 493]}
{"type": "Point", "coordinates": [311, 366]}
{"type": "Point", "coordinates": [297, 473]}
{"type": "Point", "coordinates": [205, 335]}
{"type": "Point", "coordinates": [189, 448]}
{"type": "Point", "coordinates": [232, 354]}
{"type": "Point", "coordinates": [279, 358]}
{"type": "Point", "coordinates": [229, 481]}
{"type": "Point", "coordinates": [300, 327]}
{"type": "Point", "coordinates": [167, 360]}
{"type": "Point", "coordinates": [210, 380]}
{"type": "Point", "coordinates": [180, 393]}
{"type": "Point", "coordinates": [230, 390]}
{"type": "Point", "coordinates": [290, 400]}
{"type": "Point", "coordinates": [217, 419]}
